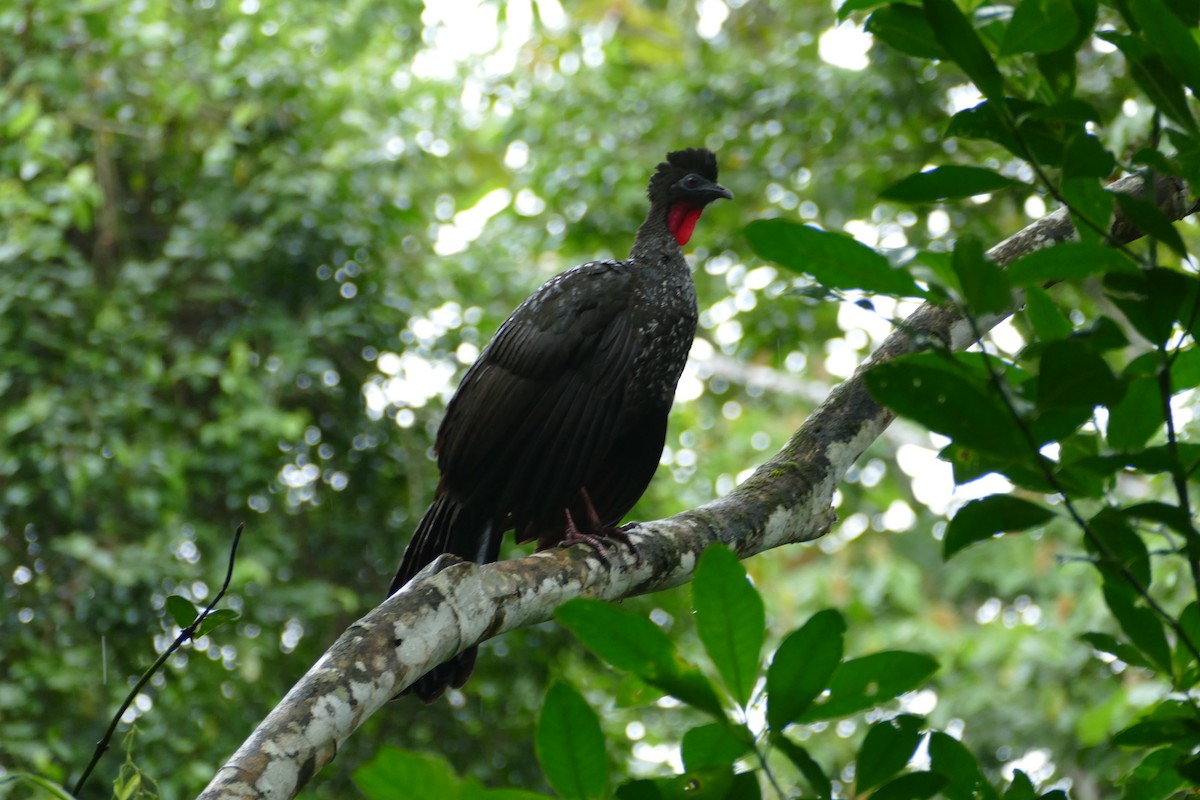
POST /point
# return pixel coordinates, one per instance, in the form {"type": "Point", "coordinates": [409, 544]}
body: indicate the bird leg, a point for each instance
{"type": "Point", "coordinates": [598, 536]}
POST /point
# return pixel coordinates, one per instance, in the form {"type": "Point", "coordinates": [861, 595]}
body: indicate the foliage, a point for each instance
{"type": "Point", "coordinates": [808, 681]}
{"type": "Point", "coordinates": [1096, 393]}
{"type": "Point", "coordinates": [249, 247]}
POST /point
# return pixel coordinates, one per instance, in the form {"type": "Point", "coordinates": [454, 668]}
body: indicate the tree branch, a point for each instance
{"type": "Point", "coordinates": [452, 605]}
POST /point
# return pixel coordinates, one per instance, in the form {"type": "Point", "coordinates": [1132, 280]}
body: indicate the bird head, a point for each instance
{"type": "Point", "coordinates": [684, 184]}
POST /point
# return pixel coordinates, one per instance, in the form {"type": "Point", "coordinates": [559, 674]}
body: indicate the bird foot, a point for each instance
{"type": "Point", "coordinates": [601, 539]}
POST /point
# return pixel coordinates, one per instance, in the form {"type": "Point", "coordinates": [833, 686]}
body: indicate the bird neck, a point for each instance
{"type": "Point", "coordinates": [667, 228]}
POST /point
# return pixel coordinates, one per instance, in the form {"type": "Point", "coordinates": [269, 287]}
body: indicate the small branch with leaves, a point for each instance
{"type": "Point", "coordinates": [193, 625]}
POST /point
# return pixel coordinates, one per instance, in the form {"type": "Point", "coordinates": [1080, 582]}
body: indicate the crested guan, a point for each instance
{"type": "Point", "coordinates": [557, 428]}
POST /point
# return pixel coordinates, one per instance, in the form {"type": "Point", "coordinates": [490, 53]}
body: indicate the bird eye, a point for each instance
{"type": "Point", "coordinates": [691, 181]}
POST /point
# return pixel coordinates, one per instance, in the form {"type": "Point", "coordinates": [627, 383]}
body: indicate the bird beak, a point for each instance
{"type": "Point", "coordinates": [710, 192]}
{"type": "Point", "coordinates": [701, 192]}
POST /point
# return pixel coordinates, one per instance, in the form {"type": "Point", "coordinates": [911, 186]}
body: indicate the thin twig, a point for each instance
{"type": "Point", "coordinates": [184, 635]}
{"type": "Point", "coordinates": [766, 768]}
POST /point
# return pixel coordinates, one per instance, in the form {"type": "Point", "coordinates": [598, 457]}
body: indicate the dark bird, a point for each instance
{"type": "Point", "coordinates": [557, 428]}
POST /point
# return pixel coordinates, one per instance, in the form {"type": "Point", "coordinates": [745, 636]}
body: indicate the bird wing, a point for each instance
{"type": "Point", "coordinates": [542, 403]}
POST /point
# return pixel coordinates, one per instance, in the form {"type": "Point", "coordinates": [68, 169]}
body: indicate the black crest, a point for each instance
{"type": "Point", "coordinates": [696, 159]}
{"type": "Point", "coordinates": [678, 164]}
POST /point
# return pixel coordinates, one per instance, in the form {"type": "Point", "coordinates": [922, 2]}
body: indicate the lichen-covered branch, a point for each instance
{"type": "Point", "coordinates": [453, 605]}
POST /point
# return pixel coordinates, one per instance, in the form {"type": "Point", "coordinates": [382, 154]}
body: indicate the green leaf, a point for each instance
{"type": "Point", "coordinates": [1188, 11]}
{"type": "Point", "coordinates": [1151, 459]}
{"type": "Point", "coordinates": [1103, 335]}
{"type": "Point", "coordinates": [1072, 375]}
{"type": "Point", "coordinates": [1079, 481]}
{"type": "Point", "coordinates": [1173, 40]}
{"type": "Point", "coordinates": [729, 619]}
{"type": "Point", "coordinates": [1039, 26]}
{"type": "Point", "coordinates": [1068, 261]}
{"type": "Point", "coordinates": [1185, 369]}
{"type": "Point", "coordinates": [392, 768]}
{"type": "Point", "coordinates": [570, 745]}
{"type": "Point", "coordinates": [984, 285]}
{"type": "Point", "coordinates": [913, 786]}
{"type": "Point", "coordinates": [1156, 161]}
{"type": "Point", "coordinates": [715, 745]}
{"type": "Point", "coordinates": [953, 31]}
{"type": "Point", "coordinates": [1151, 73]}
{"type": "Point", "coordinates": [970, 464]}
{"type": "Point", "coordinates": [625, 640]}
{"type": "Point", "coordinates": [1149, 219]}
{"type": "Point", "coordinates": [635, 644]}
{"type": "Point", "coordinates": [1170, 722]}
{"type": "Point", "coordinates": [709, 784]}
{"type": "Point", "coordinates": [1091, 208]}
{"type": "Point", "coordinates": [1119, 544]}
{"type": "Point", "coordinates": [984, 122]}
{"type": "Point", "coordinates": [1189, 767]}
{"type": "Point", "coordinates": [1137, 417]}
{"type": "Point", "coordinates": [834, 259]}
{"type": "Point", "coordinates": [47, 788]}
{"type": "Point", "coordinates": [1071, 110]}
{"type": "Point", "coordinates": [1189, 621]}
{"type": "Point", "coordinates": [948, 401]}
{"type": "Point", "coordinates": [933, 268]}
{"type": "Point", "coordinates": [863, 683]}
{"type": "Point", "coordinates": [984, 518]}
{"type": "Point", "coordinates": [886, 749]}
{"type": "Point", "coordinates": [943, 183]}
{"type": "Point", "coordinates": [1141, 625]}
{"type": "Point", "coordinates": [1044, 315]}
{"type": "Point", "coordinates": [214, 620]}
{"type": "Point", "coordinates": [1152, 300]}
{"type": "Point", "coordinates": [1107, 643]}
{"type": "Point", "coordinates": [1168, 96]}
{"type": "Point", "coordinates": [1020, 788]}
{"type": "Point", "coordinates": [1173, 517]}
{"type": "Point", "coordinates": [951, 759]}
{"type": "Point", "coordinates": [850, 6]}
{"type": "Point", "coordinates": [905, 28]}
{"type": "Point", "coordinates": [1059, 71]}
{"type": "Point", "coordinates": [182, 611]}
{"type": "Point", "coordinates": [804, 762]}
{"type": "Point", "coordinates": [1087, 157]}
{"type": "Point", "coordinates": [126, 787]}
{"type": "Point", "coordinates": [802, 666]}
{"type": "Point", "coordinates": [1059, 67]}
{"type": "Point", "coordinates": [1056, 424]}
{"type": "Point", "coordinates": [1155, 777]}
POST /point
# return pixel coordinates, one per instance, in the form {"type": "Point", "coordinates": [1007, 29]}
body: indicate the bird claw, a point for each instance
{"type": "Point", "coordinates": [599, 537]}
{"type": "Point", "coordinates": [602, 541]}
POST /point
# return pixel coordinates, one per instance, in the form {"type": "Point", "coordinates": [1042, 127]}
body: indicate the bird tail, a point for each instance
{"type": "Point", "coordinates": [447, 527]}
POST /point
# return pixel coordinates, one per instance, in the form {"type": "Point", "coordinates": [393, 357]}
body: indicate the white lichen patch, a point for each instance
{"type": "Point", "coordinates": [279, 778]}
{"type": "Point", "coordinates": [372, 694]}
{"type": "Point", "coordinates": [843, 454]}
{"type": "Point", "coordinates": [332, 719]}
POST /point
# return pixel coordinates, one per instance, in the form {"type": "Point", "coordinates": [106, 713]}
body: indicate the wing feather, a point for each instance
{"type": "Point", "coordinates": [539, 408]}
